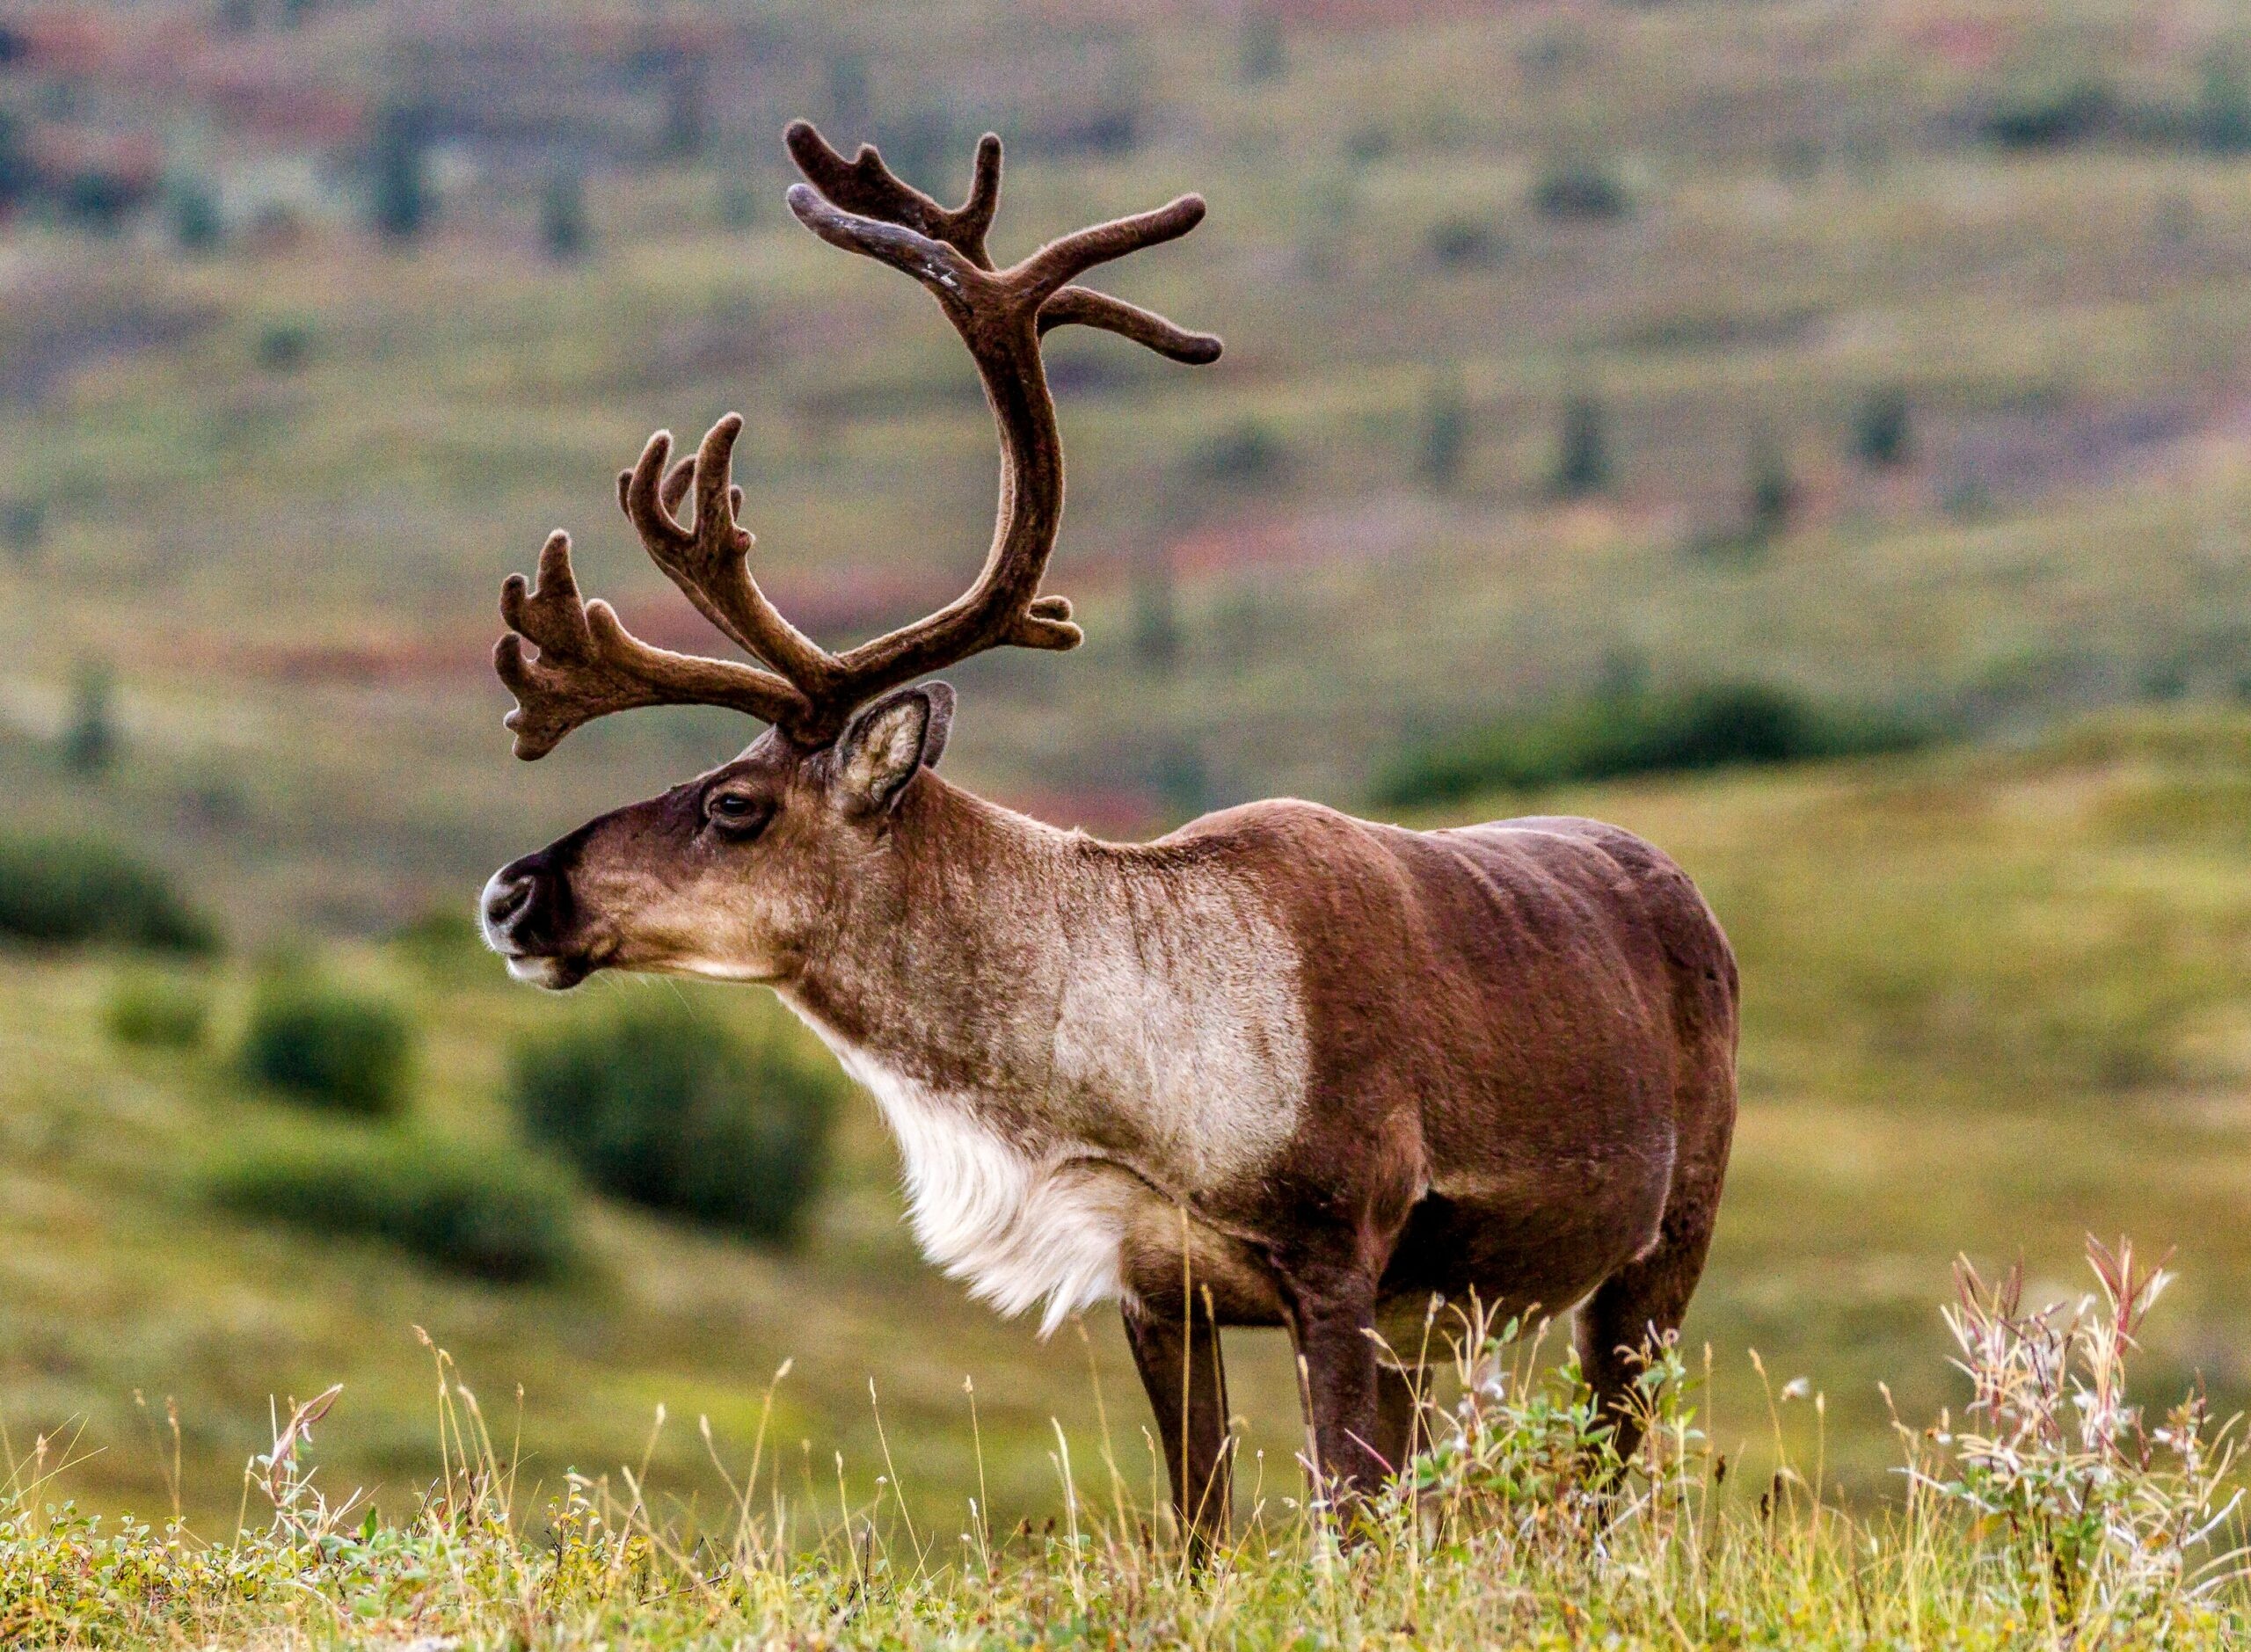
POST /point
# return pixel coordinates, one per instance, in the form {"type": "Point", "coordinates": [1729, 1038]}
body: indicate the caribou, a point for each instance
{"type": "Point", "coordinates": [1281, 1068]}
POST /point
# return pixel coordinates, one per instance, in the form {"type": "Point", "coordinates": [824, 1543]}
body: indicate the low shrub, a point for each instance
{"type": "Point", "coordinates": [60, 890]}
{"type": "Point", "coordinates": [1249, 452]}
{"type": "Point", "coordinates": [667, 1108]}
{"type": "Point", "coordinates": [2050, 115]}
{"type": "Point", "coordinates": [1639, 733]}
{"type": "Point", "coordinates": [1583, 189]}
{"type": "Point", "coordinates": [328, 1046]}
{"type": "Point", "coordinates": [479, 1213]}
{"type": "Point", "coordinates": [158, 1012]}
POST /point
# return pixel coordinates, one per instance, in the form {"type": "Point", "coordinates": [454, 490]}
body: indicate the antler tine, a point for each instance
{"type": "Point", "coordinates": [1000, 315]}
{"type": "Point", "coordinates": [1064, 259]}
{"type": "Point", "coordinates": [710, 563]}
{"type": "Point", "coordinates": [1086, 307]}
{"type": "Point", "coordinates": [589, 665]}
{"type": "Point", "coordinates": [865, 186]}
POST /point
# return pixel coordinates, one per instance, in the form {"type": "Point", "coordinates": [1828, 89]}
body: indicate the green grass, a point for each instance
{"type": "Point", "coordinates": [2046, 1517]}
{"type": "Point", "coordinates": [1994, 999]}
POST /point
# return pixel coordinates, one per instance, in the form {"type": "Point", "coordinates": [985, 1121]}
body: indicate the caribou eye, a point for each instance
{"type": "Point", "coordinates": [735, 814]}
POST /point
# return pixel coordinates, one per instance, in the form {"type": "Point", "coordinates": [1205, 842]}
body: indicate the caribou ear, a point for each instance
{"type": "Point", "coordinates": [885, 743]}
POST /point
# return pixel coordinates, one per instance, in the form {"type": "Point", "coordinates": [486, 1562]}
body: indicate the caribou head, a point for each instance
{"type": "Point", "coordinates": [732, 874]}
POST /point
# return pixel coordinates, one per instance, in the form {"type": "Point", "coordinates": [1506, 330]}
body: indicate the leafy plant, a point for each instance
{"type": "Point", "coordinates": [328, 1046]}
{"type": "Point", "coordinates": [1581, 189]}
{"type": "Point", "coordinates": [1639, 731]}
{"type": "Point", "coordinates": [2104, 1514]}
{"type": "Point", "coordinates": [61, 890]}
{"type": "Point", "coordinates": [158, 1012]}
{"type": "Point", "coordinates": [1583, 451]}
{"type": "Point", "coordinates": [487, 1213]}
{"type": "Point", "coordinates": [1525, 1445]}
{"type": "Point", "coordinates": [670, 1110]}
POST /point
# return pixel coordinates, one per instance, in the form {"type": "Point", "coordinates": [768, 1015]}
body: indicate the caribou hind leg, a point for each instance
{"type": "Point", "coordinates": [1633, 1312]}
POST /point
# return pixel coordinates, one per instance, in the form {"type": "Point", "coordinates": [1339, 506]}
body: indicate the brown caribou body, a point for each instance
{"type": "Point", "coordinates": [1282, 1068]}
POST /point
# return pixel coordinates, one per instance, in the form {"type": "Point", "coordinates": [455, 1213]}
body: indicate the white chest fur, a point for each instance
{"type": "Point", "coordinates": [1180, 1046]}
{"type": "Point", "coordinates": [1017, 1229]}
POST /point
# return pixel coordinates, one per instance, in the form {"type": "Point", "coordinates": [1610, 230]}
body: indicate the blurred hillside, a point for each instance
{"type": "Point", "coordinates": [1895, 353]}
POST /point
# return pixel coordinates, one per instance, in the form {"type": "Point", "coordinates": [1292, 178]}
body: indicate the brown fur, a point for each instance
{"type": "Point", "coordinates": [1282, 1068]}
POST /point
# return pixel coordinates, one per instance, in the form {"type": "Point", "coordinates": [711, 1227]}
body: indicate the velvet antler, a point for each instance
{"type": "Point", "coordinates": [589, 665]}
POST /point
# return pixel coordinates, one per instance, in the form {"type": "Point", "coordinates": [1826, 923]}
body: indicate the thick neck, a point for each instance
{"type": "Point", "coordinates": [950, 960]}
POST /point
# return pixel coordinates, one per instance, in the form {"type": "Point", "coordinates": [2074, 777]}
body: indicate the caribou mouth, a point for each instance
{"type": "Point", "coordinates": [552, 974]}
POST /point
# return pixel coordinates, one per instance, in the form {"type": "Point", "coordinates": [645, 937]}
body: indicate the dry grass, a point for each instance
{"type": "Point", "coordinates": [2074, 1520]}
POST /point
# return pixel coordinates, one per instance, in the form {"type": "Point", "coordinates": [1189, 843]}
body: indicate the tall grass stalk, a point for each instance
{"type": "Point", "coordinates": [1517, 1525]}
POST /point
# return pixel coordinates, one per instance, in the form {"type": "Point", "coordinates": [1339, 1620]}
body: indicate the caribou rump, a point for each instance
{"type": "Point", "coordinates": [1281, 1068]}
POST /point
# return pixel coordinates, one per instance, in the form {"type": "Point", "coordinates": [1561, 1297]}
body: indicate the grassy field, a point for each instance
{"type": "Point", "coordinates": [1994, 1002]}
{"type": "Point", "coordinates": [2055, 1513]}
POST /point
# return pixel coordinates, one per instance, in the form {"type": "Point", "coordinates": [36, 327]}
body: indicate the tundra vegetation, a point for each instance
{"type": "Point", "coordinates": [1995, 990]}
{"type": "Point", "coordinates": [2058, 1507]}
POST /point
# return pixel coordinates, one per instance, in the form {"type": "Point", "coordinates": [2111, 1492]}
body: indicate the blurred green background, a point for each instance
{"type": "Point", "coordinates": [1818, 437]}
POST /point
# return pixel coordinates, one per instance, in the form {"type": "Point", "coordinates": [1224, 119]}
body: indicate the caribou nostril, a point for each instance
{"type": "Point", "coordinates": [507, 898]}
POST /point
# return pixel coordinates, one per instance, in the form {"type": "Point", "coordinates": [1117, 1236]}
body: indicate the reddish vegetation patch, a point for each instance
{"type": "Point", "coordinates": [388, 661]}
{"type": "Point", "coordinates": [2023, 456]}
{"type": "Point", "coordinates": [1963, 43]}
{"type": "Point", "coordinates": [1332, 14]}
{"type": "Point", "coordinates": [1367, 533]}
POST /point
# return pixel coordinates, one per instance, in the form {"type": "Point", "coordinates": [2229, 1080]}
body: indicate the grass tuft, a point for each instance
{"type": "Point", "coordinates": [1517, 1526]}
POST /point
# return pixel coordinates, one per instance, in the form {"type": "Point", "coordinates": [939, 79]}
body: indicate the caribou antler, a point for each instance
{"type": "Point", "coordinates": [589, 665]}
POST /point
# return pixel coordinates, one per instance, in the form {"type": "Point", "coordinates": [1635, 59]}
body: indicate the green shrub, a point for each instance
{"type": "Point", "coordinates": [158, 1012]}
{"type": "Point", "coordinates": [1582, 450]}
{"type": "Point", "coordinates": [668, 1110]}
{"type": "Point", "coordinates": [90, 740]}
{"type": "Point", "coordinates": [328, 1046]}
{"type": "Point", "coordinates": [1446, 433]}
{"type": "Point", "coordinates": [468, 1210]}
{"type": "Point", "coordinates": [1581, 189]}
{"type": "Point", "coordinates": [1465, 243]}
{"type": "Point", "coordinates": [284, 346]}
{"type": "Point", "coordinates": [563, 229]}
{"type": "Point", "coordinates": [1639, 733]}
{"type": "Point", "coordinates": [2051, 116]}
{"type": "Point", "coordinates": [61, 889]}
{"type": "Point", "coordinates": [1246, 452]}
{"type": "Point", "coordinates": [1882, 435]}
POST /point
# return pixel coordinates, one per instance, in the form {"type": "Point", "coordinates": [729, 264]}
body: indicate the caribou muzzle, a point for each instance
{"type": "Point", "coordinates": [529, 916]}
